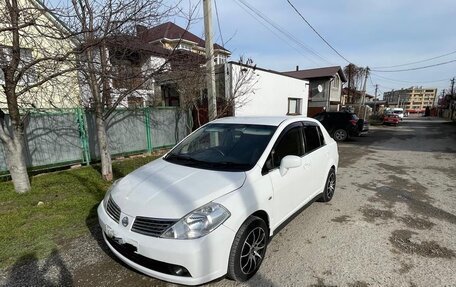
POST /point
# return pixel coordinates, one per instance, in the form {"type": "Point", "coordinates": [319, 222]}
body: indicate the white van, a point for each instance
{"type": "Point", "coordinates": [399, 112]}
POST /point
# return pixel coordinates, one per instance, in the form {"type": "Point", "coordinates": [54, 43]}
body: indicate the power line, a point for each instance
{"type": "Point", "coordinates": [416, 68]}
{"type": "Point", "coordinates": [417, 62]}
{"type": "Point", "coordinates": [218, 24]}
{"type": "Point", "coordinates": [287, 34]}
{"type": "Point", "coordinates": [370, 79]}
{"type": "Point", "coordinates": [274, 32]}
{"type": "Point", "coordinates": [316, 32]}
{"type": "Point", "coordinates": [409, 82]}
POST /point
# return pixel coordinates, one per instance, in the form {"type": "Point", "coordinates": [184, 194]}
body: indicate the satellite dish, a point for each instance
{"type": "Point", "coordinates": [320, 88]}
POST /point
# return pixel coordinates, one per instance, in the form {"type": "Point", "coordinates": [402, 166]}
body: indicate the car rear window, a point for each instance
{"type": "Point", "coordinates": [355, 117]}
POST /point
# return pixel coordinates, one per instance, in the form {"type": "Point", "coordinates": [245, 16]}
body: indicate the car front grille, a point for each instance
{"type": "Point", "coordinates": [152, 226]}
{"type": "Point", "coordinates": [113, 210]}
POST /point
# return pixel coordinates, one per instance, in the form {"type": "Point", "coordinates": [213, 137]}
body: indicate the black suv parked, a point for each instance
{"type": "Point", "coordinates": [342, 125]}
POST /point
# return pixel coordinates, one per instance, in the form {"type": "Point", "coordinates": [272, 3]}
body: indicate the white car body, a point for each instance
{"type": "Point", "coordinates": [399, 112]}
{"type": "Point", "coordinates": [165, 190]}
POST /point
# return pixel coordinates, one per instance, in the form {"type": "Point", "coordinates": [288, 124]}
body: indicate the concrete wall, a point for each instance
{"type": "Point", "coordinates": [265, 93]}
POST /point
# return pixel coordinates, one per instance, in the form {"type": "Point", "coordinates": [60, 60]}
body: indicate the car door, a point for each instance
{"type": "Point", "coordinates": [287, 188]}
{"type": "Point", "coordinates": [315, 159]}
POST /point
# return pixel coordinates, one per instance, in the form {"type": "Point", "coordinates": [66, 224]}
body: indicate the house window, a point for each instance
{"type": "Point", "coordinates": [183, 46]}
{"type": "Point", "coordinates": [294, 106]}
{"type": "Point", "coordinates": [335, 82]}
{"type": "Point", "coordinates": [29, 76]}
{"type": "Point", "coordinates": [170, 96]}
{"type": "Point", "coordinates": [219, 59]}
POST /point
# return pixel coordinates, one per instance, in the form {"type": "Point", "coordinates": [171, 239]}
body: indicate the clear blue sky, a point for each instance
{"type": "Point", "coordinates": [367, 32]}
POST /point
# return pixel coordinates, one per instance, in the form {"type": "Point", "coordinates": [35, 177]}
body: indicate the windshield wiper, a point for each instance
{"type": "Point", "coordinates": [187, 159]}
{"type": "Point", "coordinates": [233, 164]}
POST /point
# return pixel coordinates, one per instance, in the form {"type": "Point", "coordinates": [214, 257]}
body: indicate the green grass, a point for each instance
{"type": "Point", "coordinates": [70, 199]}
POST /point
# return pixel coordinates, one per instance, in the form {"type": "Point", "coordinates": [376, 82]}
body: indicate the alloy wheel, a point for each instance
{"type": "Point", "coordinates": [331, 185]}
{"type": "Point", "coordinates": [253, 250]}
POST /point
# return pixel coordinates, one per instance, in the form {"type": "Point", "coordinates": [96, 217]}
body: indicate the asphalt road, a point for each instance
{"type": "Point", "coordinates": [392, 222]}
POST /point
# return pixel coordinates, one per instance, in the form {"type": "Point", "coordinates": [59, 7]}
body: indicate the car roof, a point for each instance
{"type": "Point", "coordinates": [262, 120]}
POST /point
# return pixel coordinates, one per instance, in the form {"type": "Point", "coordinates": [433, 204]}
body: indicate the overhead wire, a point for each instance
{"type": "Point", "coordinates": [414, 69]}
{"type": "Point", "coordinates": [274, 32]}
{"type": "Point", "coordinates": [409, 82]}
{"type": "Point", "coordinates": [316, 32]}
{"type": "Point", "coordinates": [218, 23]}
{"type": "Point", "coordinates": [416, 62]}
{"type": "Point", "coordinates": [280, 29]}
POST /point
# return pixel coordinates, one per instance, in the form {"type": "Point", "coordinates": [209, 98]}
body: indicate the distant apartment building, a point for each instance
{"type": "Point", "coordinates": [413, 99]}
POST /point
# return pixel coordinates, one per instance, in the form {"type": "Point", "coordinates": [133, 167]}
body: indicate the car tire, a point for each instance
{"type": "Point", "coordinates": [248, 249]}
{"type": "Point", "coordinates": [330, 187]}
{"type": "Point", "coordinates": [340, 135]}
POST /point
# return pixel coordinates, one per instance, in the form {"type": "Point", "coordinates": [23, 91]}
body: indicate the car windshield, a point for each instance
{"type": "Point", "coordinates": [397, 112]}
{"type": "Point", "coordinates": [229, 147]}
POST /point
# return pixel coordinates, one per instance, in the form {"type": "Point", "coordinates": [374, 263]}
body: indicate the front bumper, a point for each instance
{"type": "Point", "coordinates": [205, 258]}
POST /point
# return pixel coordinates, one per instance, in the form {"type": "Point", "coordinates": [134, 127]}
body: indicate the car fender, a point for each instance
{"type": "Point", "coordinates": [255, 195]}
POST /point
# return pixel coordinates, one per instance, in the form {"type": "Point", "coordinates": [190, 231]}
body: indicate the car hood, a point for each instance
{"type": "Point", "coordinates": [162, 189]}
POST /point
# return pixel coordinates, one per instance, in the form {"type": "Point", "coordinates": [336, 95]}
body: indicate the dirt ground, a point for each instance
{"type": "Point", "coordinates": [392, 222]}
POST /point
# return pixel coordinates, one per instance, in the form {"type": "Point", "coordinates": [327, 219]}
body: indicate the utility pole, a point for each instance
{"type": "Point", "coordinates": [452, 102]}
{"type": "Point", "coordinates": [210, 71]}
{"type": "Point", "coordinates": [452, 87]}
{"type": "Point", "coordinates": [362, 101]}
{"type": "Point", "coordinates": [375, 99]}
{"type": "Point", "coordinates": [349, 81]}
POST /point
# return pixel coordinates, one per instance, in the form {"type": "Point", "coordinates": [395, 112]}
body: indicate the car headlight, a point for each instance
{"type": "Point", "coordinates": [199, 222]}
{"type": "Point", "coordinates": [108, 193]}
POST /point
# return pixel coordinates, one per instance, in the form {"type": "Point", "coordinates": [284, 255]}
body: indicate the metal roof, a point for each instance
{"type": "Point", "coordinates": [324, 72]}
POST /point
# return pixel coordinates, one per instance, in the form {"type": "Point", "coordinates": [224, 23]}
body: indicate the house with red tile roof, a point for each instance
{"type": "Point", "coordinates": [146, 49]}
{"type": "Point", "coordinates": [171, 36]}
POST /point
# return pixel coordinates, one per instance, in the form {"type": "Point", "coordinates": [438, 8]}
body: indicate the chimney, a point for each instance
{"type": "Point", "coordinates": [297, 68]}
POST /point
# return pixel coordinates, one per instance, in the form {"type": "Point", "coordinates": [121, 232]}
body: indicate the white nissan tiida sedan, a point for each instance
{"type": "Point", "coordinates": [209, 206]}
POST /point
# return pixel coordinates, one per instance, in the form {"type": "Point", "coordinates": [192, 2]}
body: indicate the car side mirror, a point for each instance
{"type": "Point", "coordinates": [290, 161]}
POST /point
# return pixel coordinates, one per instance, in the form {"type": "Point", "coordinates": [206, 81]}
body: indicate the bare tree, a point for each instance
{"type": "Point", "coordinates": [234, 88]}
{"type": "Point", "coordinates": [355, 77]}
{"type": "Point", "coordinates": [242, 84]}
{"type": "Point", "coordinates": [115, 62]}
{"type": "Point", "coordinates": [36, 55]}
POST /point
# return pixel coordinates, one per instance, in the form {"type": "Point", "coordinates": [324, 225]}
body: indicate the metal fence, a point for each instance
{"type": "Point", "coordinates": [61, 138]}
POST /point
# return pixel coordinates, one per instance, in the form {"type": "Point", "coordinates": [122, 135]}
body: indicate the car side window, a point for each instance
{"type": "Point", "coordinates": [291, 143]}
{"type": "Point", "coordinates": [312, 138]}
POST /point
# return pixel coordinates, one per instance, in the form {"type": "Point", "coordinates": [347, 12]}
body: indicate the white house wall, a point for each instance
{"type": "Point", "coordinates": [269, 94]}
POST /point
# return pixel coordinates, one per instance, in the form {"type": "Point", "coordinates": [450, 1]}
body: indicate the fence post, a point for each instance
{"type": "Point", "coordinates": [82, 124]}
{"type": "Point", "coordinates": [147, 114]}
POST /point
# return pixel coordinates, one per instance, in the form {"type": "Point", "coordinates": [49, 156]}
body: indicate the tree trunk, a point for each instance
{"type": "Point", "coordinates": [15, 160]}
{"type": "Point", "coordinates": [106, 163]}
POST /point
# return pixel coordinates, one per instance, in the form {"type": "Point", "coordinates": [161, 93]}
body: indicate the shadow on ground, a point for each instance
{"type": "Point", "coordinates": [27, 272]}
